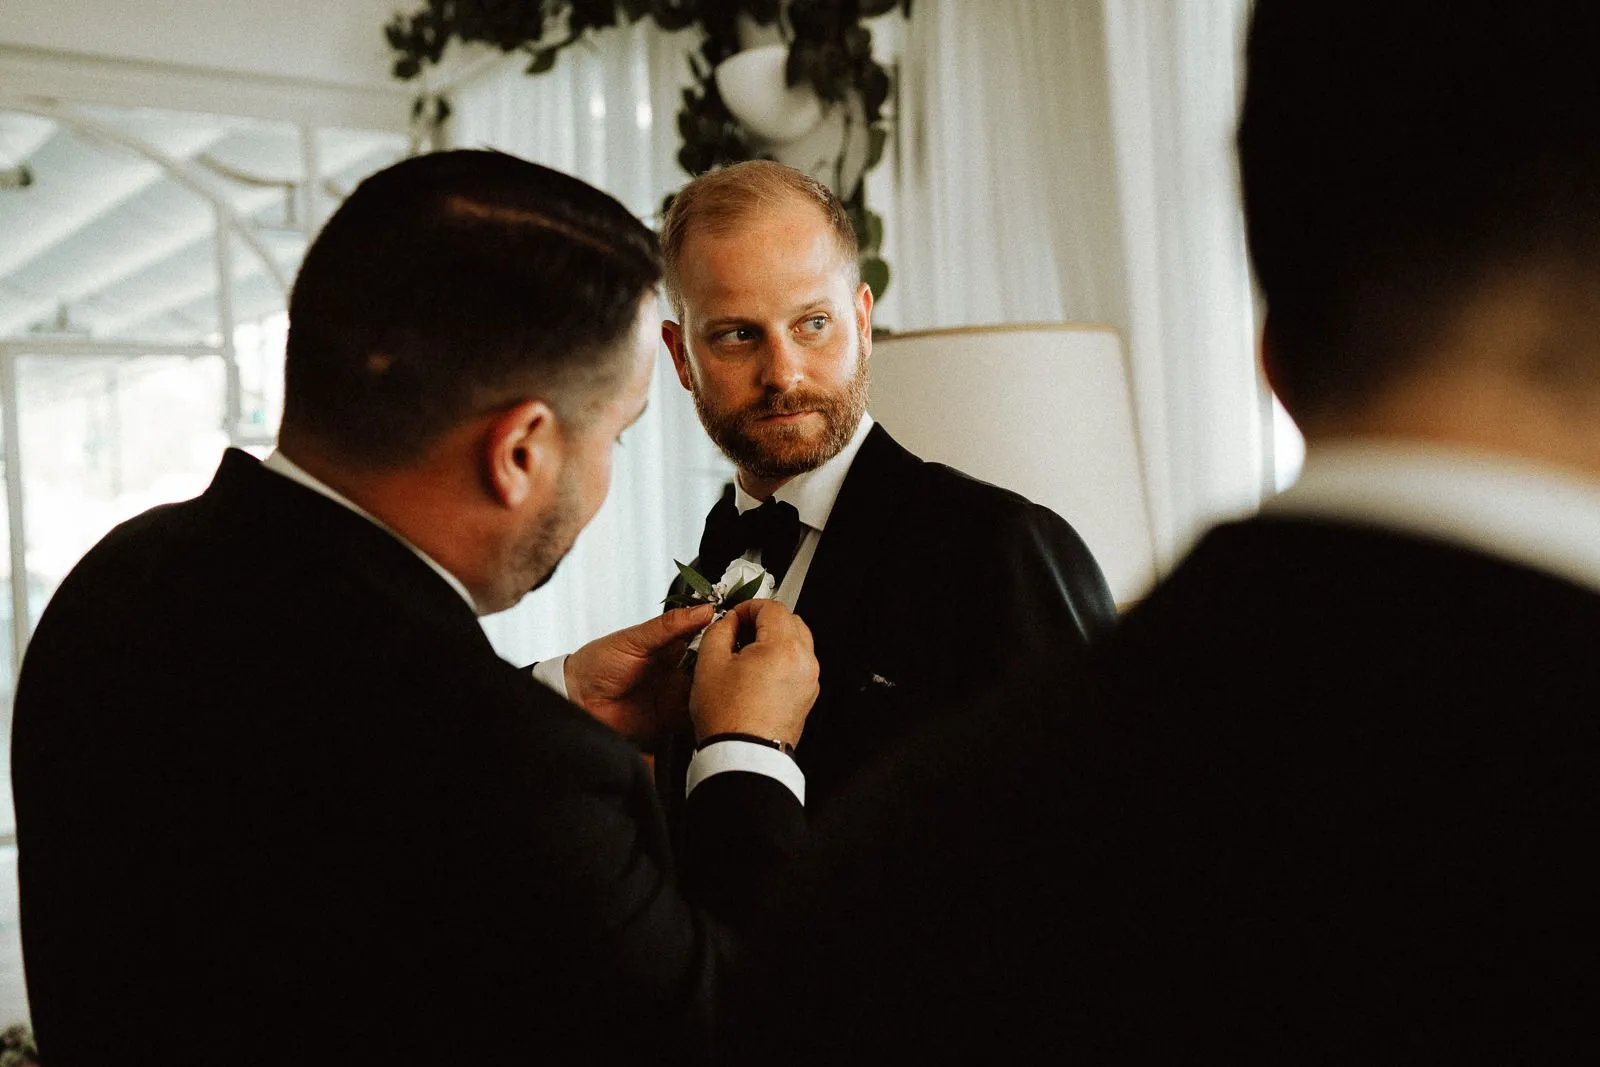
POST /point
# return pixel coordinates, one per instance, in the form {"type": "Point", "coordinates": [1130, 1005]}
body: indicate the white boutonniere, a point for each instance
{"type": "Point", "coordinates": [742, 581]}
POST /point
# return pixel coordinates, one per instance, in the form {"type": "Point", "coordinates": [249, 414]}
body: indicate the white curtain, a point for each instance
{"type": "Point", "coordinates": [607, 114]}
{"type": "Point", "coordinates": [1071, 160]}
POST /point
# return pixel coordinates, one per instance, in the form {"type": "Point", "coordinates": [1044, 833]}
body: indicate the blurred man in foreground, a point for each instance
{"type": "Point", "coordinates": [1331, 802]}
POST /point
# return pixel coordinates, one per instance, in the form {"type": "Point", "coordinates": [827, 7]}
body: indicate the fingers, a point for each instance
{"type": "Point", "coordinates": [719, 636]}
{"type": "Point", "coordinates": [657, 633]}
{"type": "Point", "coordinates": [773, 621]}
{"type": "Point", "coordinates": [767, 686]}
{"type": "Point", "coordinates": [681, 622]}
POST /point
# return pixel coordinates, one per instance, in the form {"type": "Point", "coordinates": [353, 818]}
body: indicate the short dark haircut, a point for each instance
{"type": "Point", "coordinates": [451, 284]}
{"type": "Point", "coordinates": [719, 201]}
{"type": "Point", "coordinates": [1396, 156]}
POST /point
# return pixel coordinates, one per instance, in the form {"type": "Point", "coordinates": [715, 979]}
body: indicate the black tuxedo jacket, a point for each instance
{"type": "Point", "coordinates": [927, 587]}
{"type": "Point", "coordinates": [1330, 799]}
{"type": "Point", "coordinates": [279, 801]}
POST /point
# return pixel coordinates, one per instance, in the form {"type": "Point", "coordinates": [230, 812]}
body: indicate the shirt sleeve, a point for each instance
{"type": "Point", "coordinates": [716, 758]}
{"type": "Point", "coordinates": [552, 673]}
{"type": "Point", "coordinates": [732, 755]}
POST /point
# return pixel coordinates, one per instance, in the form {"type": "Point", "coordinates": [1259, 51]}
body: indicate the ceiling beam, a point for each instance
{"type": "Point", "coordinates": [37, 75]}
{"type": "Point", "coordinates": [94, 183]}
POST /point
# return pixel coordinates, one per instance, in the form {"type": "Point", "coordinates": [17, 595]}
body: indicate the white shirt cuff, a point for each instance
{"type": "Point", "coordinates": [723, 756]}
{"type": "Point", "coordinates": [553, 674]}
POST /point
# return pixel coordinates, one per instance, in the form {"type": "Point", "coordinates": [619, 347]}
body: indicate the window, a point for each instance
{"type": "Point", "coordinates": [137, 242]}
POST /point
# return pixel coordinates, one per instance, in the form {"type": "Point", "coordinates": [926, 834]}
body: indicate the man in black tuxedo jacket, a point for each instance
{"type": "Point", "coordinates": [279, 801]}
{"type": "Point", "coordinates": [920, 584]}
{"type": "Point", "coordinates": [1330, 800]}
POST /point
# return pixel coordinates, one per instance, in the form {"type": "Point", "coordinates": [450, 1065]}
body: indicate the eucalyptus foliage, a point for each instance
{"type": "Point", "coordinates": [830, 49]}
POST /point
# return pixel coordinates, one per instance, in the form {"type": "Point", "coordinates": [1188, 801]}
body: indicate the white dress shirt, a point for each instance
{"type": "Point", "coordinates": [1527, 513]}
{"type": "Point", "coordinates": [813, 495]}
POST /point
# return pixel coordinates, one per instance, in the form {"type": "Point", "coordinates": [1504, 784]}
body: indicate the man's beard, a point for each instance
{"type": "Point", "coordinates": [784, 451]}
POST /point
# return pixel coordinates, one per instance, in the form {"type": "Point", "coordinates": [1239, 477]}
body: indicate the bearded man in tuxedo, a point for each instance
{"type": "Point", "coordinates": [921, 585]}
{"type": "Point", "coordinates": [1329, 797]}
{"type": "Point", "coordinates": [277, 797]}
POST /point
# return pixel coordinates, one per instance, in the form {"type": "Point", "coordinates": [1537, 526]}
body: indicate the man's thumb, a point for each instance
{"type": "Point", "coordinates": [667, 627]}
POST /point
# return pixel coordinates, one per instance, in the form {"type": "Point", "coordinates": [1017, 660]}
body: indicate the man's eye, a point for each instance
{"type": "Point", "coordinates": [816, 323]}
{"type": "Point", "coordinates": [738, 335]}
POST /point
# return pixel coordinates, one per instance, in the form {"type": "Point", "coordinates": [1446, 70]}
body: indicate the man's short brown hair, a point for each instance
{"type": "Point", "coordinates": [453, 283]}
{"type": "Point", "coordinates": [717, 202]}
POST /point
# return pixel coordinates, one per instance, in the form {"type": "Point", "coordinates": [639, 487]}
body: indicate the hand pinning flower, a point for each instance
{"type": "Point", "coordinates": [742, 581]}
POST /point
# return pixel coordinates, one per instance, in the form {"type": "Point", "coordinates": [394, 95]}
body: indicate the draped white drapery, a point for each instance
{"type": "Point", "coordinates": [1072, 161]}
{"type": "Point", "coordinates": [1053, 160]}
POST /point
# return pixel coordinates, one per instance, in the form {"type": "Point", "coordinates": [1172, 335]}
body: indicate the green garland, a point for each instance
{"type": "Point", "coordinates": [831, 50]}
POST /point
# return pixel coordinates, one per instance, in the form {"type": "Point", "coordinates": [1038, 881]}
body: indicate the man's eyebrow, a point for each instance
{"type": "Point", "coordinates": [817, 303]}
{"type": "Point", "coordinates": [725, 321]}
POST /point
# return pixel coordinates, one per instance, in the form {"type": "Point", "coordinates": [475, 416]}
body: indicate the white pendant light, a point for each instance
{"type": "Point", "coordinates": [752, 85]}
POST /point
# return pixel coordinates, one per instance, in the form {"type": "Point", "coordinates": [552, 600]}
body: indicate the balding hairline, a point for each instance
{"type": "Point", "coordinates": [726, 217]}
{"type": "Point", "coordinates": [717, 202]}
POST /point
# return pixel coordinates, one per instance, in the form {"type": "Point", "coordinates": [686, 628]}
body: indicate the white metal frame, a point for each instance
{"type": "Point", "coordinates": [228, 225]}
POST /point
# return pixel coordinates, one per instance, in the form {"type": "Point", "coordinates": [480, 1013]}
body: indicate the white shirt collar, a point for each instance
{"type": "Point", "coordinates": [814, 492]}
{"type": "Point", "coordinates": [279, 463]}
{"type": "Point", "coordinates": [1528, 513]}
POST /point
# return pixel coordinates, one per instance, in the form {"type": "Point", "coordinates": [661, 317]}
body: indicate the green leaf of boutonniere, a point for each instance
{"type": "Point", "coordinates": [696, 582]}
{"type": "Point", "coordinates": [744, 592]}
{"type": "Point", "coordinates": [682, 600]}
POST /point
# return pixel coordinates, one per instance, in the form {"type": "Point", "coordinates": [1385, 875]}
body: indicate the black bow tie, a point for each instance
{"type": "Point", "coordinates": [774, 528]}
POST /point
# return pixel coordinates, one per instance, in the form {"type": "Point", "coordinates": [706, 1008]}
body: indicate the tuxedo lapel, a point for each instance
{"type": "Point", "coordinates": [856, 594]}
{"type": "Point", "coordinates": [856, 551]}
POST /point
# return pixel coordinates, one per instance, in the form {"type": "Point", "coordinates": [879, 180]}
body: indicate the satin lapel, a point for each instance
{"type": "Point", "coordinates": [836, 601]}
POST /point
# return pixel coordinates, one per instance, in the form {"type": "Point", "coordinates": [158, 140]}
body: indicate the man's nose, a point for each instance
{"type": "Point", "coordinates": [784, 366]}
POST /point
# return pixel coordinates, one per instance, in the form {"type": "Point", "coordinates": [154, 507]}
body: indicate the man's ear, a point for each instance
{"type": "Point", "coordinates": [672, 336]}
{"type": "Point", "coordinates": [864, 317]}
{"type": "Point", "coordinates": [522, 452]}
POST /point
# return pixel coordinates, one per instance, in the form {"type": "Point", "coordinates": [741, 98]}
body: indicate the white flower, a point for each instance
{"type": "Point", "coordinates": [741, 571]}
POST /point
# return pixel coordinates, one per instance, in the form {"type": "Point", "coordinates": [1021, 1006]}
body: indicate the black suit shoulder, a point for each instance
{"type": "Point", "coordinates": [1377, 752]}
{"type": "Point", "coordinates": [1320, 798]}
{"type": "Point", "coordinates": [1024, 541]}
{"type": "Point", "coordinates": [950, 544]}
{"type": "Point", "coordinates": [954, 522]}
{"type": "Point", "coordinates": [330, 811]}
{"type": "Point", "coordinates": [1313, 599]}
